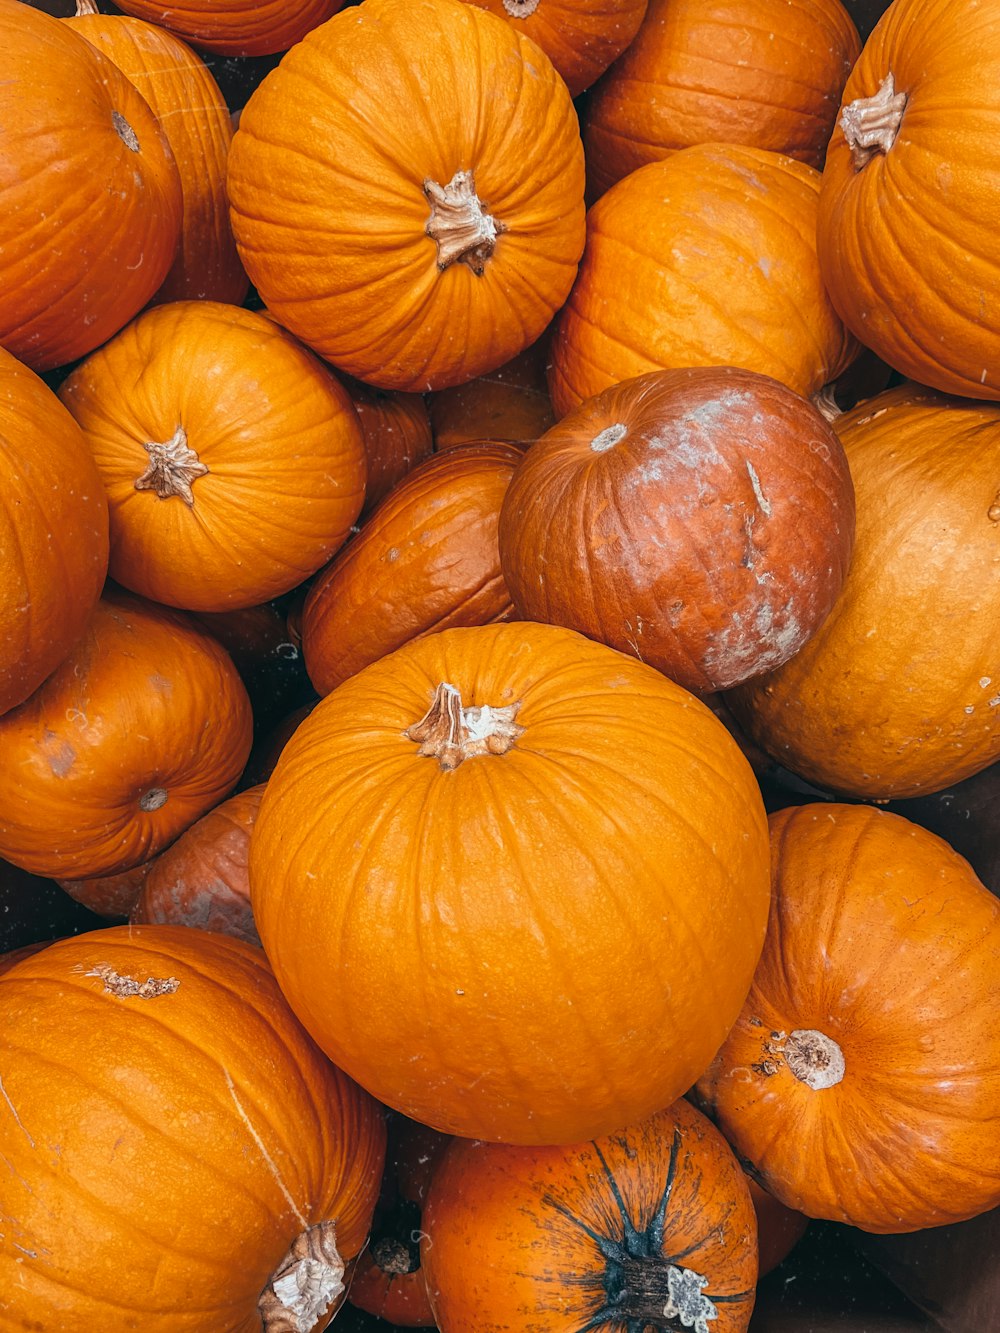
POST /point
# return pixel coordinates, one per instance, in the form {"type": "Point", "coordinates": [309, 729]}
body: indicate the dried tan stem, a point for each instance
{"type": "Point", "coordinates": [870, 124]}
{"type": "Point", "coordinates": [307, 1285]}
{"type": "Point", "coordinates": [451, 734]}
{"type": "Point", "coordinates": [173, 466]}
{"type": "Point", "coordinates": [459, 224]}
{"type": "Point", "coordinates": [814, 1058]}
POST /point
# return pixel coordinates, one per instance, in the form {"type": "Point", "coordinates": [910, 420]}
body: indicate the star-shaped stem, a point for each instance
{"type": "Point", "coordinates": [173, 466]}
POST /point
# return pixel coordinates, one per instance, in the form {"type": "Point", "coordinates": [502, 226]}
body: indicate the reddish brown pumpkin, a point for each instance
{"type": "Point", "coordinates": [700, 519]}
{"type": "Point", "coordinates": [201, 879]}
{"type": "Point", "coordinates": [53, 532]}
{"type": "Point", "coordinates": [143, 728]}
{"type": "Point", "coordinates": [397, 432]}
{"type": "Point", "coordinates": [179, 1155]}
{"type": "Point", "coordinates": [779, 1229]}
{"type": "Point", "coordinates": [76, 262]}
{"type": "Point", "coordinates": [426, 560]}
{"type": "Point", "coordinates": [866, 1089]}
{"type": "Point", "coordinates": [721, 71]}
{"type": "Point", "coordinates": [109, 895]}
{"type": "Point", "coordinates": [236, 27]}
{"type": "Point", "coordinates": [510, 403]}
{"type": "Point", "coordinates": [232, 458]}
{"type": "Point", "coordinates": [649, 1228]}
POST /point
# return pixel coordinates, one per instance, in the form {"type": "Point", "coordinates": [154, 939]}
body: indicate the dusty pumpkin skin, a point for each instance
{"type": "Point", "coordinates": [700, 519]}
{"type": "Point", "coordinates": [865, 1090]}
{"type": "Point", "coordinates": [649, 1229]}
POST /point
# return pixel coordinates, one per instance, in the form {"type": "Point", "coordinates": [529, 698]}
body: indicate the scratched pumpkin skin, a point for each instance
{"type": "Point", "coordinates": [176, 1144]}
{"type": "Point", "coordinates": [652, 1227]}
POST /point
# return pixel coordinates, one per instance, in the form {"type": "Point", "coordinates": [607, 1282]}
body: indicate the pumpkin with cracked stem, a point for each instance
{"type": "Point", "coordinates": [236, 27]}
{"type": "Point", "coordinates": [232, 1162]}
{"type": "Point", "coordinates": [201, 879]}
{"type": "Point", "coordinates": [406, 199]}
{"type": "Point", "coordinates": [468, 828]}
{"type": "Point", "coordinates": [426, 560]}
{"type": "Point", "coordinates": [77, 263]}
{"type": "Point", "coordinates": [144, 727]}
{"type": "Point", "coordinates": [195, 120]}
{"type": "Point", "coordinates": [397, 432]}
{"type": "Point", "coordinates": [651, 1227]}
{"type": "Point", "coordinates": [865, 1090]}
{"type": "Point", "coordinates": [232, 457]}
{"type": "Point", "coordinates": [907, 234]}
{"type": "Point", "coordinates": [701, 519]}
{"type": "Point", "coordinates": [721, 270]}
{"type": "Point", "coordinates": [721, 71]}
{"type": "Point", "coordinates": [580, 37]}
{"type": "Point", "coordinates": [898, 692]}
{"type": "Point", "coordinates": [53, 532]}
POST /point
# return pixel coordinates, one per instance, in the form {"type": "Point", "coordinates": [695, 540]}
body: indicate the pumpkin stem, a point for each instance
{"type": "Point", "coordinates": [306, 1284]}
{"type": "Point", "coordinates": [815, 1059]}
{"type": "Point", "coordinates": [870, 124]}
{"type": "Point", "coordinates": [450, 733]}
{"type": "Point", "coordinates": [520, 9]}
{"type": "Point", "coordinates": [153, 799]}
{"type": "Point", "coordinates": [393, 1256]}
{"type": "Point", "coordinates": [84, 7]}
{"type": "Point", "coordinates": [825, 402]}
{"type": "Point", "coordinates": [465, 233]}
{"type": "Point", "coordinates": [125, 132]}
{"type": "Point", "coordinates": [173, 466]}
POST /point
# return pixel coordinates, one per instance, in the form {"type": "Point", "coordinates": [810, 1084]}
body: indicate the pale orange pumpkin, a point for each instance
{"type": "Point", "coordinates": [179, 1155]}
{"type": "Point", "coordinates": [232, 457]}
{"type": "Point", "coordinates": [76, 262]}
{"type": "Point", "coordinates": [407, 192]}
{"type": "Point", "coordinates": [236, 27]}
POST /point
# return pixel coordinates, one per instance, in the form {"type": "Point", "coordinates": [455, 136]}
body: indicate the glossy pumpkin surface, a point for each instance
{"type": "Point", "coordinates": [404, 199]}
{"type": "Point", "coordinates": [178, 1149]}
{"type": "Point", "coordinates": [866, 1090]}
{"type": "Point", "coordinates": [236, 27]}
{"type": "Point", "coordinates": [458, 839]}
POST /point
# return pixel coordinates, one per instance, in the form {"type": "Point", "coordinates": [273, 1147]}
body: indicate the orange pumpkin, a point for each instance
{"type": "Point", "coordinates": [779, 1229]}
{"type": "Point", "coordinates": [201, 879]}
{"type": "Point", "coordinates": [144, 727]}
{"type": "Point", "coordinates": [722, 271]}
{"type": "Point", "coordinates": [210, 1170]}
{"type": "Point", "coordinates": [196, 123]}
{"type": "Point", "coordinates": [232, 457]}
{"type": "Point", "coordinates": [580, 37]}
{"type": "Point", "coordinates": [898, 693]}
{"type": "Point", "coordinates": [397, 433]}
{"type": "Point", "coordinates": [866, 1089]}
{"type": "Point", "coordinates": [109, 895]}
{"type": "Point", "coordinates": [76, 262]}
{"type": "Point", "coordinates": [510, 403]}
{"type": "Point", "coordinates": [907, 218]}
{"type": "Point", "coordinates": [468, 829]}
{"type": "Point", "coordinates": [236, 27]}
{"type": "Point", "coordinates": [651, 1227]}
{"type": "Point", "coordinates": [53, 532]}
{"type": "Point", "coordinates": [426, 560]}
{"type": "Point", "coordinates": [721, 71]}
{"type": "Point", "coordinates": [404, 198]}
{"type": "Point", "coordinates": [701, 519]}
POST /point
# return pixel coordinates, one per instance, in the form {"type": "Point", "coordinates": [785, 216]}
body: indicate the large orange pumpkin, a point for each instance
{"type": "Point", "coordinates": [862, 1081]}
{"type": "Point", "coordinates": [407, 192]}
{"type": "Point", "coordinates": [721, 71]}
{"type": "Point", "coordinates": [907, 219]}
{"type": "Point", "coordinates": [236, 27]}
{"type": "Point", "coordinates": [722, 270]}
{"type": "Point", "coordinates": [898, 693]}
{"type": "Point", "coordinates": [53, 532]}
{"type": "Point", "coordinates": [195, 120]}
{"type": "Point", "coordinates": [144, 727]}
{"type": "Point", "coordinates": [76, 260]}
{"type": "Point", "coordinates": [178, 1155]}
{"type": "Point", "coordinates": [232, 457]}
{"type": "Point", "coordinates": [458, 839]}
{"type": "Point", "coordinates": [651, 1227]}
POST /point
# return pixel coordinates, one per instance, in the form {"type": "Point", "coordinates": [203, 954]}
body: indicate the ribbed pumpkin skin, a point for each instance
{"type": "Point", "coordinates": [426, 560]}
{"type": "Point", "coordinates": [327, 179]}
{"type": "Point", "coordinates": [707, 258]}
{"type": "Point", "coordinates": [908, 988]}
{"type": "Point", "coordinates": [721, 71]}
{"type": "Point", "coordinates": [898, 693]}
{"type": "Point", "coordinates": [88, 224]}
{"type": "Point", "coordinates": [517, 1239]}
{"type": "Point", "coordinates": [196, 123]}
{"type": "Point", "coordinates": [165, 1150]}
{"type": "Point", "coordinates": [397, 432]}
{"type": "Point", "coordinates": [53, 532]}
{"type": "Point", "coordinates": [445, 935]}
{"type": "Point", "coordinates": [144, 705]}
{"type": "Point", "coordinates": [908, 243]}
{"type": "Point", "coordinates": [580, 37]}
{"type": "Point", "coordinates": [276, 431]}
{"type": "Point", "coordinates": [237, 27]}
{"type": "Point", "coordinates": [700, 519]}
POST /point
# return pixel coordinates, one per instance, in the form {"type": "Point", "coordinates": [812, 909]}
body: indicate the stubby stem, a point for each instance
{"type": "Point", "coordinates": [870, 124]}
{"type": "Point", "coordinates": [306, 1285]}
{"type": "Point", "coordinates": [451, 734]}
{"type": "Point", "coordinates": [520, 9]}
{"type": "Point", "coordinates": [173, 466]}
{"type": "Point", "coordinates": [459, 224]}
{"type": "Point", "coordinates": [814, 1058]}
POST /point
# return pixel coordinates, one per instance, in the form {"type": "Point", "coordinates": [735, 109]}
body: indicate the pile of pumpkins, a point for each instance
{"type": "Point", "coordinates": [597, 404]}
